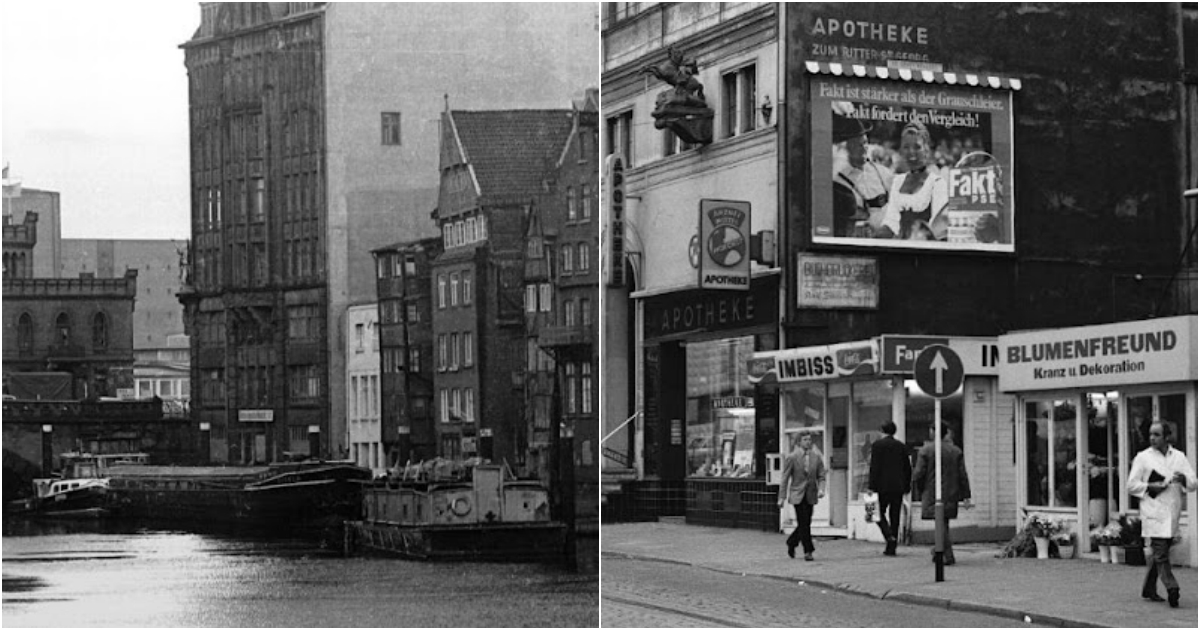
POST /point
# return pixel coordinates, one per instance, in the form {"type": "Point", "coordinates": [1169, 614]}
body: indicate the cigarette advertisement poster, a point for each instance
{"type": "Point", "coordinates": [944, 183]}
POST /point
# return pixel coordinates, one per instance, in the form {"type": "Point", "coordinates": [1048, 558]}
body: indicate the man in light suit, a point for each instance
{"type": "Point", "coordinates": [890, 478]}
{"type": "Point", "coordinates": [802, 485]}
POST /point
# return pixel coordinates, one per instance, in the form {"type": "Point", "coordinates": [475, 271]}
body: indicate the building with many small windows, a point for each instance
{"type": "Point", "coordinates": [494, 166]}
{"type": "Point", "coordinates": [406, 349]}
{"type": "Point", "coordinates": [313, 127]}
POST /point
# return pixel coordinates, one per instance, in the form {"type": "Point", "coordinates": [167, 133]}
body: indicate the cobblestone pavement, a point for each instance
{"type": "Point", "coordinates": [1079, 593]}
{"type": "Point", "coordinates": [639, 593]}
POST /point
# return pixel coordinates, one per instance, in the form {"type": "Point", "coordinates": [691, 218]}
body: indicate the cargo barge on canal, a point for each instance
{"type": "Point", "coordinates": [286, 494]}
{"type": "Point", "coordinates": [479, 515]}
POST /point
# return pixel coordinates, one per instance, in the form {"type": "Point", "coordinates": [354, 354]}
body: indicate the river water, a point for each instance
{"type": "Point", "coordinates": [105, 575]}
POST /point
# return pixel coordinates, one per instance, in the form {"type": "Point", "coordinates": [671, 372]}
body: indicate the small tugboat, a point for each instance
{"type": "Point", "coordinates": [444, 510]}
{"type": "Point", "coordinates": [81, 491]}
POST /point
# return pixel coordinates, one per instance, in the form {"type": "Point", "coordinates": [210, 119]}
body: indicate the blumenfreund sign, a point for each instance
{"type": "Point", "coordinates": [1128, 353]}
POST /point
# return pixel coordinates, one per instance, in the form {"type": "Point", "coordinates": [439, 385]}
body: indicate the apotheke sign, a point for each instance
{"type": "Point", "coordinates": [1151, 351]}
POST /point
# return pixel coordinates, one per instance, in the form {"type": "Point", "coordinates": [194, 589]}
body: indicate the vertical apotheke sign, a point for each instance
{"type": "Point", "coordinates": [614, 176]}
{"type": "Point", "coordinates": [724, 244]}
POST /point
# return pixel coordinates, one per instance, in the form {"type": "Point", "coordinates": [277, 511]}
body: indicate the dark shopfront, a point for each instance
{"type": "Point", "coordinates": [706, 428]}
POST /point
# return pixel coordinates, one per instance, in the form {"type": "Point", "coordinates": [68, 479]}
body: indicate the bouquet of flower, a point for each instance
{"type": "Point", "coordinates": [1107, 535]}
{"type": "Point", "coordinates": [1062, 538]}
{"type": "Point", "coordinates": [1042, 527]}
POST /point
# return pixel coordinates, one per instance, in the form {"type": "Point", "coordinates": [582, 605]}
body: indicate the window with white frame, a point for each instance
{"type": "Point", "coordinates": [585, 387]}
{"type": "Point", "coordinates": [467, 296]}
{"type": "Point", "coordinates": [454, 288]}
{"type": "Point", "coordinates": [584, 257]}
{"type": "Point", "coordinates": [619, 136]}
{"type": "Point", "coordinates": [481, 226]}
{"type": "Point", "coordinates": [569, 312]}
{"type": "Point", "coordinates": [586, 200]}
{"type": "Point", "coordinates": [469, 404]}
{"type": "Point", "coordinates": [456, 403]}
{"type": "Point", "coordinates": [444, 406]}
{"type": "Point", "coordinates": [585, 311]}
{"type": "Point", "coordinates": [441, 289]}
{"type": "Point", "coordinates": [739, 94]}
{"type": "Point", "coordinates": [568, 260]}
{"type": "Point", "coordinates": [572, 389]}
{"type": "Point", "coordinates": [471, 234]}
{"type": "Point", "coordinates": [547, 295]}
{"type": "Point", "coordinates": [454, 351]}
{"type": "Point", "coordinates": [572, 208]}
{"type": "Point", "coordinates": [390, 129]}
{"type": "Point", "coordinates": [531, 298]}
{"type": "Point", "coordinates": [442, 362]}
{"type": "Point", "coordinates": [468, 349]}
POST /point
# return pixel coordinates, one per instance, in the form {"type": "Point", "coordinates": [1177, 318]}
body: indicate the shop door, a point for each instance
{"type": "Point", "coordinates": [1103, 465]}
{"type": "Point", "coordinates": [837, 456]}
{"type": "Point", "coordinates": [1142, 410]}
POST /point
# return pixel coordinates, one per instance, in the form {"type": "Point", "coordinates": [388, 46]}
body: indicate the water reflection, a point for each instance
{"type": "Point", "coordinates": [125, 574]}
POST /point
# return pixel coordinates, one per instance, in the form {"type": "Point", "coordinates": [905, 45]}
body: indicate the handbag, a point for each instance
{"type": "Point", "coordinates": [870, 505]}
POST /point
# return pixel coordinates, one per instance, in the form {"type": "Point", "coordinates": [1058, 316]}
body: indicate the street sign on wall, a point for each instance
{"type": "Point", "coordinates": [938, 371]}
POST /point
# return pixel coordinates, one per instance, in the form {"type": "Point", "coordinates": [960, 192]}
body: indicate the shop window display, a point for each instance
{"type": "Point", "coordinates": [1050, 456]}
{"type": "Point", "coordinates": [872, 407]}
{"type": "Point", "coordinates": [1102, 475]}
{"type": "Point", "coordinates": [720, 409]}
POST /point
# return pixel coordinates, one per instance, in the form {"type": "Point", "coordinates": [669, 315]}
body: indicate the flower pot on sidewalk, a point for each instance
{"type": "Point", "coordinates": [1105, 554]}
{"type": "Point", "coordinates": [1135, 555]}
{"type": "Point", "coordinates": [1066, 552]}
{"type": "Point", "coordinates": [1118, 554]}
{"type": "Point", "coordinates": [1043, 547]}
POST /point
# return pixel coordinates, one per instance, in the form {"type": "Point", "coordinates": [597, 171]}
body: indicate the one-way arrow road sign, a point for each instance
{"type": "Point", "coordinates": [938, 370]}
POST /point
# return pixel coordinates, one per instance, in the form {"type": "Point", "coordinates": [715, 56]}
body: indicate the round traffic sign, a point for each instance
{"type": "Point", "coordinates": [938, 370]}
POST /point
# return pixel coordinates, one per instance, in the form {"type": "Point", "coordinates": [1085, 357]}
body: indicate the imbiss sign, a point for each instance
{"type": "Point", "coordinates": [1128, 353]}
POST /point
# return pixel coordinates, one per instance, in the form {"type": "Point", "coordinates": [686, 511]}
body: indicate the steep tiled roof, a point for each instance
{"type": "Point", "coordinates": [511, 150]}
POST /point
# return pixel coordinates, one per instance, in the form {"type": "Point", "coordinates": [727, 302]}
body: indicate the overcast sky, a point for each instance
{"type": "Point", "coordinates": [95, 108]}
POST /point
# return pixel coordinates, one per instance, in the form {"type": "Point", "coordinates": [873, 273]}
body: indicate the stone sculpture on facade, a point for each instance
{"type": "Point", "coordinates": [683, 110]}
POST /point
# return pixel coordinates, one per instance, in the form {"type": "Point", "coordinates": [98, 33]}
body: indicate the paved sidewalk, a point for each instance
{"type": "Point", "coordinates": [1079, 592]}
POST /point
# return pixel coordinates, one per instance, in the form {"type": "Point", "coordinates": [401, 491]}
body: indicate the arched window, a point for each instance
{"type": "Point", "coordinates": [25, 334]}
{"type": "Point", "coordinates": [62, 325]}
{"type": "Point", "coordinates": [99, 332]}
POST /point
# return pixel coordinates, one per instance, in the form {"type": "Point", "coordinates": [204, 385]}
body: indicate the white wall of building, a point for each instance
{"type": "Point", "coordinates": [363, 434]}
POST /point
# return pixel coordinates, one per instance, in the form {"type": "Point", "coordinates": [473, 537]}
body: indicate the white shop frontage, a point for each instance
{"type": "Point", "coordinates": [1085, 399]}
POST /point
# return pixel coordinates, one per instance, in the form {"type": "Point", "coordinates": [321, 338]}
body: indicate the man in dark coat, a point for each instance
{"type": "Point", "coordinates": [890, 478]}
{"type": "Point", "coordinates": [955, 486]}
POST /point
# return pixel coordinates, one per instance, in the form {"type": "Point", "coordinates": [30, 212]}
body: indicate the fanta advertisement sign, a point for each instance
{"type": "Point", "coordinates": [1129, 353]}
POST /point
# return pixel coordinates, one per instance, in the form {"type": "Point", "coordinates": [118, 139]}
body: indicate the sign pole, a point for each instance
{"type": "Point", "coordinates": [939, 509]}
{"type": "Point", "coordinates": [938, 371]}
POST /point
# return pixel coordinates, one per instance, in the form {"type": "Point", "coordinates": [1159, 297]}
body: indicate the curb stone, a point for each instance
{"type": "Point", "coordinates": [907, 598]}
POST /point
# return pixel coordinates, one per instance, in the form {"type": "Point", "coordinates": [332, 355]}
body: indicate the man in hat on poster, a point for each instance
{"type": "Point", "coordinates": [859, 184]}
{"type": "Point", "coordinates": [1159, 478]}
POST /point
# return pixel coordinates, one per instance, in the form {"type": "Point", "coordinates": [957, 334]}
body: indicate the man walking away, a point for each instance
{"type": "Point", "coordinates": [802, 485]}
{"type": "Point", "coordinates": [1159, 477]}
{"type": "Point", "coordinates": [890, 478]}
{"type": "Point", "coordinates": [955, 486]}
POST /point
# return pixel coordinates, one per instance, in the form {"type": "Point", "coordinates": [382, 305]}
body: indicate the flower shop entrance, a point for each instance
{"type": "Point", "coordinates": [1075, 449]}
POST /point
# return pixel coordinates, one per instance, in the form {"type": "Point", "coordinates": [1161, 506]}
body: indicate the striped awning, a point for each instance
{"type": "Point", "coordinates": [907, 74]}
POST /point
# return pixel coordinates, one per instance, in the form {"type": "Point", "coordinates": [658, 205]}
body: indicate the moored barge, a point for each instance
{"type": "Point", "coordinates": [483, 516]}
{"type": "Point", "coordinates": [291, 495]}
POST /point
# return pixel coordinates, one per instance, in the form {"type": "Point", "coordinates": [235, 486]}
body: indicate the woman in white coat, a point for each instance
{"type": "Point", "coordinates": [1159, 477]}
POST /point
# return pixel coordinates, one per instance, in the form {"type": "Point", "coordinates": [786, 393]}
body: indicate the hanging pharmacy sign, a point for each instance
{"type": "Point", "coordinates": [1110, 355]}
{"type": "Point", "coordinates": [724, 244]}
